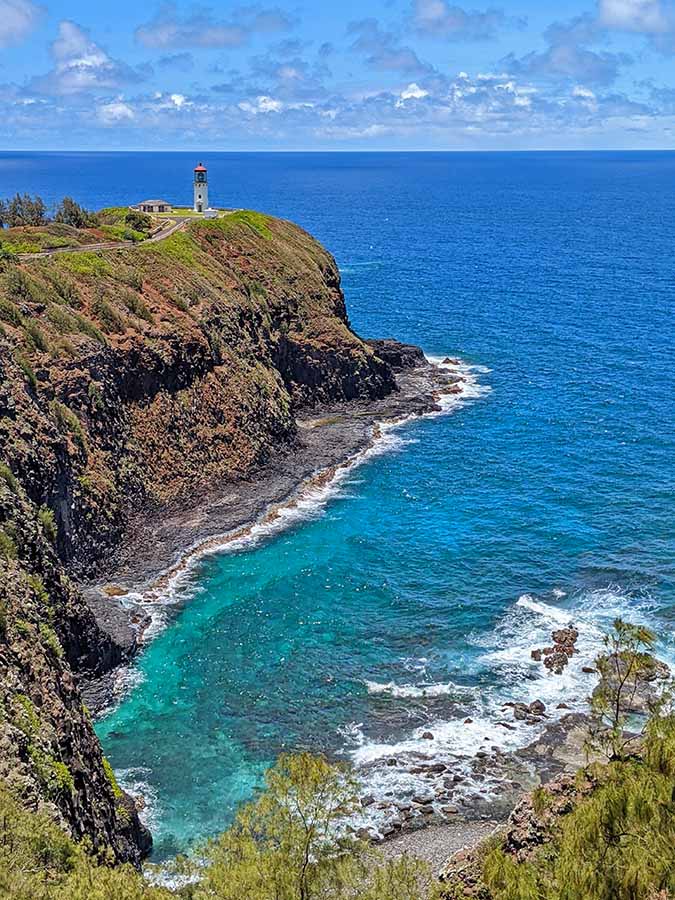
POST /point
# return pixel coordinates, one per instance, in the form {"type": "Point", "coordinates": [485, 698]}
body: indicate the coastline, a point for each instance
{"type": "Point", "coordinates": [161, 548]}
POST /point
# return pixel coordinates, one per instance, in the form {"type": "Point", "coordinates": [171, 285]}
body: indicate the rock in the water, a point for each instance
{"type": "Point", "coordinates": [557, 656]}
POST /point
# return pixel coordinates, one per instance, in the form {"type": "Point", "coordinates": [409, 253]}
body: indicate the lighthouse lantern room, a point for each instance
{"type": "Point", "coordinates": [201, 189]}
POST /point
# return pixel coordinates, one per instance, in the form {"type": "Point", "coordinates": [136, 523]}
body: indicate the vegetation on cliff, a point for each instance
{"type": "Point", "coordinates": [607, 833]}
{"type": "Point", "coordinates": [284, 846]}
{"type": "Point", "coordinates": [131, 378]}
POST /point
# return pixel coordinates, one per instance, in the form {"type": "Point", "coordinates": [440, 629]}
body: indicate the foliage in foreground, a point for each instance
{"type": "Point", "coordinates": [618, 842]}
{"type": "Point", "coordinates": [283, 846]}
{"type": "Point", "coordinates": [614, 840]}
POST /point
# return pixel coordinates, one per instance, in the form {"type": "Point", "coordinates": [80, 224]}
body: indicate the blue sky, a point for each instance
{"type": "Point", "coordinates": [353, 74]}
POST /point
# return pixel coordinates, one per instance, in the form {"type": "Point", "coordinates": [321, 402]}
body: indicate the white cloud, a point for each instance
{"type": "Point", "coordinates": [179, 100]}
{"type": "Point", "coordinates": [585, 97]}
{"type": "Point", "coordinates": [115, 112]}
{"type": "Point", "coordinates": [262, 105]}
{"type": "Point", "coordinates": [412, 92]}
{"type": "Point", "coordinates": [81, 65]}
{"type": "Point", "coordinates": [643, 16]}
{"type": "Point", "coordinates": [17, 19]}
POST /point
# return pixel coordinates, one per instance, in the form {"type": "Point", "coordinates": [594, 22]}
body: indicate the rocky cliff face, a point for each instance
{"type": "Point", "coordinates": [128, 379]}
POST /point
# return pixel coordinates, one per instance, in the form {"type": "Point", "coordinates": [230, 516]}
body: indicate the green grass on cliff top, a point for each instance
{"type": "Point", "coordinates": [256, 221]}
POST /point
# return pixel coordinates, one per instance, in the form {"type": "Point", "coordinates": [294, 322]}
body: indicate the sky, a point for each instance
{"type": "Point", "coordinates": [338, 75]}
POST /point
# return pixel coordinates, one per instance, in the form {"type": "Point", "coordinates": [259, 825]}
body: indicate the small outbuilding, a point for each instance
{"type": "Point", "coordinates": [153, 206]}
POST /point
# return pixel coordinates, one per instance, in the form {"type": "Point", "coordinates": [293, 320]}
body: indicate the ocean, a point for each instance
{"type": "Point", "coordinates": [406, 599]}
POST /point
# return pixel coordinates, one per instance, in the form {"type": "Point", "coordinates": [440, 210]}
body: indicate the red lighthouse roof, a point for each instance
{"type": "Point", "coordinates": [200, 168]}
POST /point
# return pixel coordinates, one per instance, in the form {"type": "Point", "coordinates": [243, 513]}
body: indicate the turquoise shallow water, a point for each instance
{"type": "Point", "coordinates": [439, 564]}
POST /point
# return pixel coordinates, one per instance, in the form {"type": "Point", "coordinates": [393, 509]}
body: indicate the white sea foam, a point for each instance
{"type": "Point", "coordinates": [504, 668]}
{"type": "Point", "coordinates": [543, 609]}
{"type": "Point", "coordinates": [412, 690]}
{"type": "Point", "coordinates": [307, 503]}
{"type": "Point", "coordinates": [136, 783]}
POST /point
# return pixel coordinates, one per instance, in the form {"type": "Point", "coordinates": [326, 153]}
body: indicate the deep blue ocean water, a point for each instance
{"type": "Point", "coordinates": [412, 597]}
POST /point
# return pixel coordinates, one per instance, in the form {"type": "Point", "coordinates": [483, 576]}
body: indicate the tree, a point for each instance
{"type": "Point", "coordinates": [618, 843]}
{"type": "Point", "coordinates": [23, 210]}
{"type": "Point", "coordinates": [138, 221]}
{"type": "Point", "coordinates": [69, 212]}
{"type": "Point", "coordinates": [290, 844]}
{"type": "Point", "coordinates": [626, 670]}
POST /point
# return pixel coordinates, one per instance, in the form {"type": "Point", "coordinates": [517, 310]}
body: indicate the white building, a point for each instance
{"type": "Point", "coordinates": [201, 189]}
{"type": "Point", "coordinates": [153, 206]}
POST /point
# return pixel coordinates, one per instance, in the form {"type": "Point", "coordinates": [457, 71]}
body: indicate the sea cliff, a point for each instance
{"type": "Point", "coordinates": [132, 381]}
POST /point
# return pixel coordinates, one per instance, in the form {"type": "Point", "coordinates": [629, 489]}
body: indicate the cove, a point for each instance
{"type": "Point", "coordinates": [412, 600]}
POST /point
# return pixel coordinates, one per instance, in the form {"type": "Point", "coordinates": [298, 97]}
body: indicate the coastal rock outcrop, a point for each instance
{"type": "Point", "coordinates": [130, 378]}
{"type": "Point", "coordinates": [557, 656]}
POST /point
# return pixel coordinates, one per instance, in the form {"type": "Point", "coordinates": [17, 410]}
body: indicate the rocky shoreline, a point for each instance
{"type": "Point", "coordinates": [161, 545]}
{"type": "Point", "coordinates": [453, 804]}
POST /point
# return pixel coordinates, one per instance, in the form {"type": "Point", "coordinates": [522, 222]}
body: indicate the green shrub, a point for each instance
{"type": "Point", "coordinates": [64, 287]}
{"type": "Point", "coordinates": [62, 320]}
{"type": "Point", "coordinates": [179, 246]}
{"type": "Point", "coordinates": [130, 276]}
{"type": "Point", "coordinates": [27, 720]}
{"type": "Point", "coordinates": [112, 781]}
{"type": "Point", "coordinates": [48, 522]}
{"type": "Point", "coordinates": [39, 862]}
{"type": "Point", "coordinates": [139, 221]}
{"type": "Point", "coordinates": [123, 233]}
{"type": "Point", "coordinates": [255, 221]}
{"type": "Point", "coordinates": [285, 845]}
{"type": "Point", "coordinates": [37, 585]}
{"type": "Point", "coordinates": [85, 263]}
{"type": "Point", "coordinates": [88, 328]}
{"type": "Point", "coordinates": [63, 777]}
{"type": "Point", "coordinates": [95, 395]}
{"type": "Point", "coordinates": [9, 312]}
{"type": "Point", "coordinates": [36, 336]}
{"type": "Point", "coordinates": [23, 627]}
{"type": "Point", "coordinates": [9, 478]}
{"type": "Point", "coordinates": [7, 546]}
{"type": "Point", "coordinates": [135, 304]}
{"type": "Point", "coordinates": [68, 421]}
{"type": "Point", "coordinates": [27, 370]}
{"type": "Point", "coordinates": [7, 253]}
{"type": "Point", "coordinates": [108, 316]}
{"type": "Point", "coordinates": [50, 639]}
{"type": "Point", "coordinates": [18, 285]}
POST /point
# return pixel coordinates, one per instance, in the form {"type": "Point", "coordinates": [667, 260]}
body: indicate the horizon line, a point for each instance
{"type": "Point", "coordinates": [353, 150]}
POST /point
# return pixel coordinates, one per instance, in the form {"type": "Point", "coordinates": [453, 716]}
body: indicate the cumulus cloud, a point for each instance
{"type": "Point", "coordinates": [569, 56]}
{"type": "Point", "coordinates": [262, 105]}
{"type": "Point", "coordinates": [438, 18]}
{"type": "Point", "coordinates": [82, 65]}
{"type": "Point", "coordinates": [383, 50]}
{"type": "Point", "coordinates": [201, 28]}
{"type": "Point", "coordinates": [115, 112]}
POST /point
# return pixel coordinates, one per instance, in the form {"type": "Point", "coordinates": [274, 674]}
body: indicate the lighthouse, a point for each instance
{"type": "Point", "coordinates": [201, 189]}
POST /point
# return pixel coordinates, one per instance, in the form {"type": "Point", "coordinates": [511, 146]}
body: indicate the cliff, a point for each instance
{"type": "Point", "coordinates": [131, 378]}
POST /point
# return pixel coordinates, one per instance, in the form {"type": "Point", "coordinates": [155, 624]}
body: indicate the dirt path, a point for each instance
{"type": "Point", "coordinates": [169, 228]}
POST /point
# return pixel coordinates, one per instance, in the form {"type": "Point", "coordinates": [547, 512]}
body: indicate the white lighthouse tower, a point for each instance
{"type": "Point", "coordinates": [201, 189]}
